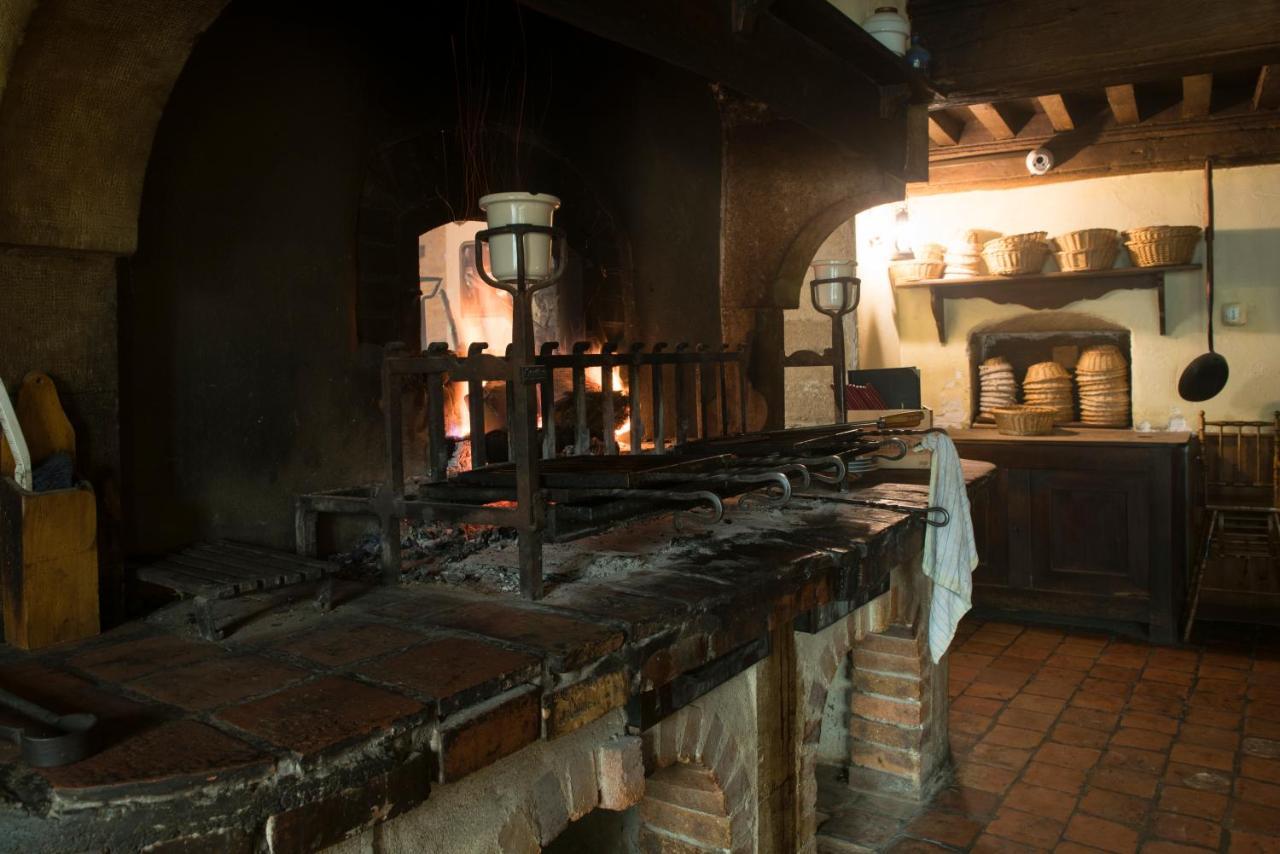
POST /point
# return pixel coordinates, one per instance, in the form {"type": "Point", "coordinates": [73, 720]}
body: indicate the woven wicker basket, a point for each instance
{"type": "Point", "coordinates": [1083, 260]}
{"type": "Point", "coordinates": [901, 272]}
{"type": "Point", "coordinates": [1088, 238]}
{"type": "Point", "coordinates": [1024, 420]}
{"type": "Point", "coordinates": [1164, 253]}
{"type": "Point", "coordinates": [1013, 241]}
{"type": "Point", "coordinates": [1027, 258]}
{"type": "Point", "coordinates": [929, 251]}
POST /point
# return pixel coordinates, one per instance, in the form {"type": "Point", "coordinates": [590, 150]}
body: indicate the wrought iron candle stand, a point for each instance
{"type": "Point", "coordinates": [835, 297]}
{"type": "Point", "coordinates": [525, 376]}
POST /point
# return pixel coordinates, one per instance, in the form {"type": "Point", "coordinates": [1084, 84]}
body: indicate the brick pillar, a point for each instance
{"type": "Point", "coordinates": [898, 717]}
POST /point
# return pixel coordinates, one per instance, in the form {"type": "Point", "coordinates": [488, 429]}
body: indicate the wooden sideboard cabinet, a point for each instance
{"type": "Point", "coordinates": [1085, 524]}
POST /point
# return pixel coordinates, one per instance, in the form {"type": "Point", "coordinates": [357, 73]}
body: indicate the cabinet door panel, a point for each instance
{"type": "Point", "coordinates": [1090, 532]}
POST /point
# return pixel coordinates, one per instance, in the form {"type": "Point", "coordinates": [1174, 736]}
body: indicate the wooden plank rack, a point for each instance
{"type": "Point", "coordinates": [1045, 290]}
{"type": "Point", "coordinates": [208, 572]}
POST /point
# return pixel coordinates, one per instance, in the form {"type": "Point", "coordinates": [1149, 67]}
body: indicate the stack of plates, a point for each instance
{"type": "Point", "coordinates": [997, 387]}
{"type": "Point", "coordinates": [1048, 384]}
{"type": "Point", "coordinates": [964, 257]}
{"type": "Point", "coordinates": [1102, 377]}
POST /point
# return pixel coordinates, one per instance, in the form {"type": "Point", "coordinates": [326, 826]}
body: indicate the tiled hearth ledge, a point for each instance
{"type": "Point", "coordinates": [302, 728]}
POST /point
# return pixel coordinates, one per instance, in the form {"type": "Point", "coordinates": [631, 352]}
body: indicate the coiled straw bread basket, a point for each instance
{"type": "Point", "coordinates": [1016, 254]}
{"type": "Point", "coordinates": [1162, 245]}
{"type": "Point", "coordinates": [1024, 420]}
{"type": "Point", "coordinates": [1088, 249]}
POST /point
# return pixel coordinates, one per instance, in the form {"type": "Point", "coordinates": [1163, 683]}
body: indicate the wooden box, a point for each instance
{"type": "Point", "coordinates": [48, 564]}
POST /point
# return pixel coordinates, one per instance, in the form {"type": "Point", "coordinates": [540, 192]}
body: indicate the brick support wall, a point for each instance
{"type": "Point", "coordinates": [685, 811]}
{"type": "Point", "coordinates": [897, 721]}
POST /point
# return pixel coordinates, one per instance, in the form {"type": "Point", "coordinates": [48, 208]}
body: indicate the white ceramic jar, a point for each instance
{"type": "Point", "coordinates": [526, 209]}
{"type": "Point", "coordinates": [890, 28]}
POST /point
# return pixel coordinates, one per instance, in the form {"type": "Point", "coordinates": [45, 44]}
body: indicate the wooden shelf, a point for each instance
{"type": "Point", "coordinates": [1045, 290]}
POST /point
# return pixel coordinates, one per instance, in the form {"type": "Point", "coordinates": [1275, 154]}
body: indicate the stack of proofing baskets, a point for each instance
{"type": "Point", "coordinates": [1048, 385]}
{"type": "Point", "coordinates": [1102, 377]}
{"type": "Point", "coordinates": [997, 387]}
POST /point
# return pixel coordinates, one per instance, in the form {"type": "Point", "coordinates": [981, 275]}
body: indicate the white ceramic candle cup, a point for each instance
{"type": "Point", "coordinates": [523, 209]}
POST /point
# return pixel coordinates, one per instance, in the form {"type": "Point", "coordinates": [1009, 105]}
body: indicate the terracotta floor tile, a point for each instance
{"type": "Point", "coordinates": [1079, 758]}
{"type": "Point", "coordinates": [974, 803]}
{"type": "Point", "coordinates": [1101, 702]}
{"type": "Point", "coordinates": [1016, 663]}
{"type": "Point", "coordinates": [1208, 805]}
{"type": "Point", "coordinates": [976, 647]}
{"type": "Point", "coordinates": [1207, 736]}
{"type": "Point", "coordinates": [945, 827]}
{"type": "Point", "coordinates": [1174, 677]}
{"type": "Point", "coordinates": [1261, 727]}
{"type": "Point", "coordinates": [915, 846]}
{"type": "Point", "coordinates": [1243, 842]}
{"type": "Point", "coordinates": [1194, 777]}
{"type": "Point", "coordinates": [1003, 678]}
{"type": "Point", "coordinates": [987, 778]}
{"type": "Point", "coordinates": [1008, 736]}
{"type": "Point", "coordinates": [1145, 720]}
{"type": "Point", "coordinates": [1257, 792]}
{"type": "Point", "coordinates": [1003, 757]}
{"type": "Point", "coordinates": [1101, 833]}
{"type": "Point", "coordinates": [1076, 848]}
{"type": "Point", "coordinates": [1079, 736]}
{"type": "Point", "coordinates": [1167, 707]}
{"type": "Point", "coordinates": [1037, 721]}
{"type": "Point", "coordinates": [992, 692]}
{"type": "Point", "coordinates": [1256, 818]}
{"type": "Point", "coordinates": [1027, 828]}
{"type": "Point", "coordinates": [1187, 829]}
{"type": "Point", "coordinates": [1127, 675]}
{"type": "Point", "coordinates": [1115, 806]}
{"type": "Point", "coordinates": [454, 671]}
{"type": "Point", "coordinates": [970, 724]}
{"type": "Point", "coordinates": [1212, 718]}
{"type": "Point", "coordinates": [1070, 662]}
{"type": "Point", "coordinates": [1206, 757]}
{"type": "Point", "coordinates": [1094, 684]}
{"type": "Point", "coordinates": [1143, 739]}
{"type": "Point", "coordinates": [1136, 783]}
{"type": "Point", "coordinates": [967, 659]}
{"type": "Point", "coordinates": [1053, 688]}
{"type": "Point", "coordinates": [1162, 690]}
{"type": "Point", "coordinates": [1040, 800]}
{"type": "Point", "coordinates": [1174, 659]}
{"type": "Point", "coordinates": [1138, 760]}
{"type": "Point", "coordinates": [1067, 780]}
{"type": "Point", "coordinates": [988, 844]}
{"type": "Point", "coordinates": [1089, 718]}
{"type": "Point", "coordinates": [1265, 748]}
{"type": "Point", "coordinates": [1161, 846]}
{"type": "Point", "coordinates": [977, 705]}
{"type": "Point", "coordinates": [1037, 703]}
{"type": "Point", "coordinates": [1228, 687]}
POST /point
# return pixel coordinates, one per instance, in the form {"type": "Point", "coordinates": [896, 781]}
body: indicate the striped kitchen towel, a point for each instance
{"type": "Point", "coordinates": [950, 553]}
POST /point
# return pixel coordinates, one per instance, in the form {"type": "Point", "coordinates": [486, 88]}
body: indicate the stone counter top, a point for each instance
{"type": "Point", "coordinates": [302, 726]}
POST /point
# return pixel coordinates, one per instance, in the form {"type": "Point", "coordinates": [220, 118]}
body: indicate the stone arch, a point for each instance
{"type": "Point", "coordinates": [788, 282]}
{"type": "Point", "coordinates": [696, 756]}
{"type": "Point", "coordinates": [82, 98]}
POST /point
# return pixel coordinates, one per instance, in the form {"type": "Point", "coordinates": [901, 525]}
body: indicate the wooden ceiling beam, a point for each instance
{"type": "Point", "coordinates": [997, 119]}
{"type": "Point", "coordinates": [1055, 107]}
{"type": "Point", "coordinates": [1239, 139]}
{"type": "Point", "coordinates": [988, 50]}
{"type": "Point", "coordinates": [1266, 95]}
{"type": "Point", "coordinates": [1197, 95]}
{"type": "Point", "coordinates": [945, 129]}
{"type": "Point", "coordinates": [1124, 104]}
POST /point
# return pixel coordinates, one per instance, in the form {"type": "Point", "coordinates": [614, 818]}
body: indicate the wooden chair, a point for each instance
{"type": "Point", "coordinates": [1240, 462]}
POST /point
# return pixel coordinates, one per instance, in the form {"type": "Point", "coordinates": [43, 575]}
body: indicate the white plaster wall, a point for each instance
{"type": "Point", "coordinates": [898, 328]}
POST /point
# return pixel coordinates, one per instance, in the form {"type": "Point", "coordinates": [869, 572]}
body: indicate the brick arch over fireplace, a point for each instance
{"type": "Point", "coordinates": [697, 754]}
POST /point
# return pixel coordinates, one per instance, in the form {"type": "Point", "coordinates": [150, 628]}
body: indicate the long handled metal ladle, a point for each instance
{"type": "Point", "coordinates": [1207, 373]}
